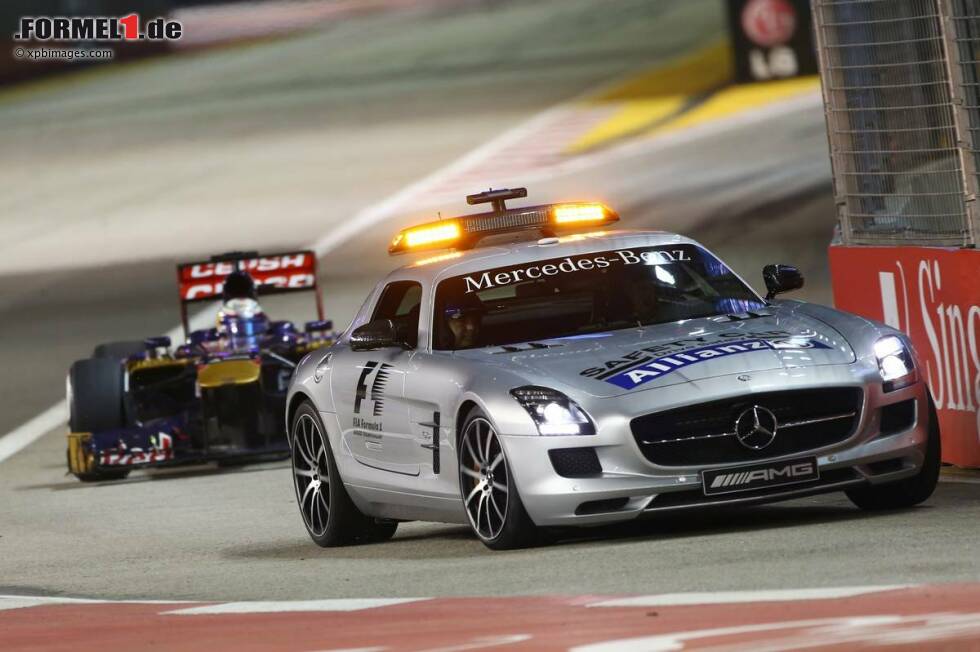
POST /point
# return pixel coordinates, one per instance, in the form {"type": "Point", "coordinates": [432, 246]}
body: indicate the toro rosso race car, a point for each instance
{"type": "Point", "coordinates": [218, 396]}
{"type": "Point", "coordinates": [548, 371]}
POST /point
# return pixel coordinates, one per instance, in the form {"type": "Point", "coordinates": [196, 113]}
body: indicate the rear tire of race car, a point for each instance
{"type": "Point", "coordinates": [911, 491]}
{"type": "Point", "coordinates": [119, 350]}
{"type": "Point", "coordinates": [330, 516]}
{"type": "Point", "coordinates": [95, 395]}
{"type": "Point", "coordinates": [488, 490]}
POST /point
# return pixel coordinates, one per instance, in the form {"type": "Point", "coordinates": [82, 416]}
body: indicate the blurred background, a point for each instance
{"type": "Point", "coordinates": [332, 123]}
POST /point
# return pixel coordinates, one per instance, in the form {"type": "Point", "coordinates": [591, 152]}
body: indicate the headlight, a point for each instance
{"type": "Point", "coordinates": [894, 363]}
{"type": "Point", "coordinates": [553, 412]}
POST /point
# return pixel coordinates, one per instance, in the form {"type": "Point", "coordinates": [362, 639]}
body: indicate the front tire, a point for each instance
{"type": "Point", "coordinates": [330, 516]}
{"type": "Point", "coordinates": [95, 403]}
{"type": "Point", "coordinates": [489, 492]}
{"type": "Point", "coordinates": [911, 491]}
{"type": "Point", "coordinates": [95, 388]}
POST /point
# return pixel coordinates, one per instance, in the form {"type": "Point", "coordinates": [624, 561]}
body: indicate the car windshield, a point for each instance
{"type": "Point", "coordinates": [578, 295]}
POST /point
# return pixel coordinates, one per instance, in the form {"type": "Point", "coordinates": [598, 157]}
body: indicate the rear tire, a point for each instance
{"type": "Point", "coordinates": [119, 350]}
{"type": "Point", "coordinates": [911, 491]}
{"type": "Point", "coordinates": [330, 516]}
{"type": "Point", "coordinates": [489, 491]}
{"type": "Point", "coordinates": [96, 395]}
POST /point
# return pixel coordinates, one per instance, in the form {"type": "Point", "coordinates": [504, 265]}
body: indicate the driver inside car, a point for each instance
{"type": "Point", "coordinates": [465, 321]}
{"type": "Point", "coordinates": [241, 319]}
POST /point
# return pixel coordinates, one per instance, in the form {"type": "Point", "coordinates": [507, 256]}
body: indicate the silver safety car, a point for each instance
{"type": "Point", "coordinates": [534, 368]}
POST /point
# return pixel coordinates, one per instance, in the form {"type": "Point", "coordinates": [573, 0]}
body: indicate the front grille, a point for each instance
{"type": "Point", "coordinates": [887, 466]}
{"type": "Point", "coordinates": [601, 506]}
{"type": "Point", "coordinates": [897, 417]}
{"type": "Point", "coordinates": [705, 433]}
{"type": "Point", "coordinates": [681, 499]}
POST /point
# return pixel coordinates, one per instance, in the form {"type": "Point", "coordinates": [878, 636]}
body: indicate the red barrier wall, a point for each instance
{"type": "Point", "coordinates": [933, 294]}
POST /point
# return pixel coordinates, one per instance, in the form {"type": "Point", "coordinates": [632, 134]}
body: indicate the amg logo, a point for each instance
{"type": "Point", "coordinates": [796, 470]}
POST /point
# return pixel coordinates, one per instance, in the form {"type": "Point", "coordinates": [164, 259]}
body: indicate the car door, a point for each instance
{"type": "Point", "coordinates": [368, 391]}
{"type": "Point", "coordinates": [433, 386]}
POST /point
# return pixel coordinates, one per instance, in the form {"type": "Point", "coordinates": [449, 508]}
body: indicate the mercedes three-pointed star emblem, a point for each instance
{"type": "Point", "coordinates": [755, 427]}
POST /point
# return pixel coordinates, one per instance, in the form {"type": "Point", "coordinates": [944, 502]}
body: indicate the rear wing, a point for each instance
{"type": "Point", "coordinates": [293, 271]}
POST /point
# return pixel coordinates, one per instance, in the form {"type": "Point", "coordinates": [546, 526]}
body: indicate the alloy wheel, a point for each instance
{"type": "Point", "coordinates": [484, 479]}
{"type": "Point", "coordinates": [311, 474]}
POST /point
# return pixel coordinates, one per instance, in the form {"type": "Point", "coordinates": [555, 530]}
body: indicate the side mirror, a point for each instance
{"type": "Point", "coordinates": [378, 334]}
{"type": "Point", "coordinates": [781, 278]}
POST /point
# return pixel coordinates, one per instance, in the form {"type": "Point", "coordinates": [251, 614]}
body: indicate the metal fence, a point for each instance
{"type": "Point", "coordinates": [964, 25]}
{"type": "Point", "coordinates": [901, 92]}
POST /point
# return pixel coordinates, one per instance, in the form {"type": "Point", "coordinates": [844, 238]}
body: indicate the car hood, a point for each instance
{"type": "Point", "coordinates": [617, 362]}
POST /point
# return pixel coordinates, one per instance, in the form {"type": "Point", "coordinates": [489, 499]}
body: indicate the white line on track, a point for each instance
{"type": "Point", "coordinates": [251, 607]}
{"type": "Point", "coordinates": [32, 430]}
{"type": "Point", "coordinates": [25, 601]}
{"type": "Point", "coordinates": [677, 640]}
{"type": "Point", "coordinates": [26, 434]}
{"type": "Point", "coordinates": [736, 597]}
{"type": "Point", "coordinates": [475, 644]}
{"type": "Point", "coordinates": [259, 607]}
{"type": "Point", "coordinates": [357, 649]}
{"type": "Point", "coordinates": [483, 642]}
{"type": "Point", "coordinates": [942, 630]}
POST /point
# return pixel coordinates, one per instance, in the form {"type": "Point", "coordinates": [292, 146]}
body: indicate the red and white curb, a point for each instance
{"type": "Point", "coordinates": [927, 617]}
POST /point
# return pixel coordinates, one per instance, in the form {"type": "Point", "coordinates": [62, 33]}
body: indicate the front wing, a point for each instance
{"type": "Point", "coordinates": [164, 443]}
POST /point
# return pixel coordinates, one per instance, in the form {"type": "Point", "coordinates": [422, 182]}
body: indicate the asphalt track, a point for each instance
{"type": "Point", "coordinates": [112, 176]}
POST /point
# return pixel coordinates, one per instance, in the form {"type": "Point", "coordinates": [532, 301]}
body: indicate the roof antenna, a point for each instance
{"type": "Point", "coordinates": [498, 204]}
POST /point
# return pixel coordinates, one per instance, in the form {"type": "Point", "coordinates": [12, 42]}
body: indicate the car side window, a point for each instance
{"type": "Point", "coordinates": [401, 302]}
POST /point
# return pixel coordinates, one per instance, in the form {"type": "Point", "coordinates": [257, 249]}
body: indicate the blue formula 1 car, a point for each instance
{"type": "Point", "coordinates": [219, 396]}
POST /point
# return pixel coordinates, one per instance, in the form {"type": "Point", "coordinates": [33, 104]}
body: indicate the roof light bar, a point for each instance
{"type": "Point", "coordinates": [579, 213]}
{"type": "Point", "coordinates": [464, 231]}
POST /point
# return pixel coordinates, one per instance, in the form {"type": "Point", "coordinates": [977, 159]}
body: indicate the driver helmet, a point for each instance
{"type": "Point", "coordinates": [240, 315]}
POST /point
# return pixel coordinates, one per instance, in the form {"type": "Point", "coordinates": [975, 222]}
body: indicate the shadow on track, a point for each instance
{"type": "Point", "coordinates": [715, 522]}
{"type": "Point", "coordinates": [155, 475]}
{"type": "Point", "coordinates": [455, 541]}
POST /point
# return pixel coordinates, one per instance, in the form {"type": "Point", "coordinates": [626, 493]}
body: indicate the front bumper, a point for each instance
{"type": "Point", "coordinates": [629, 486]}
